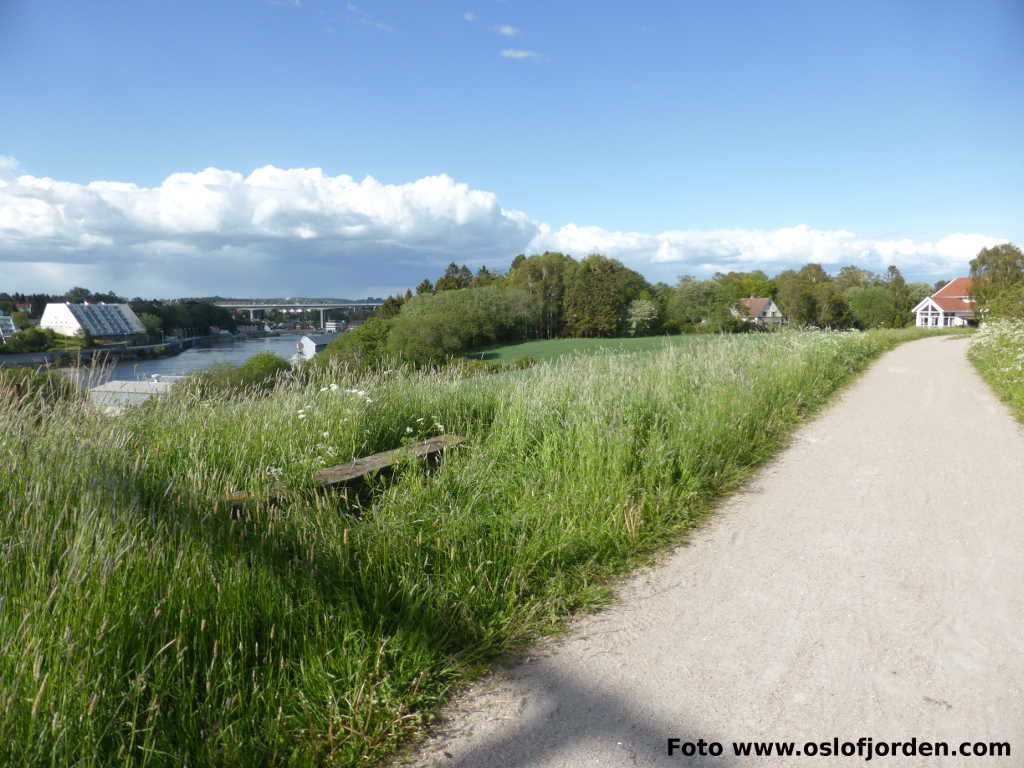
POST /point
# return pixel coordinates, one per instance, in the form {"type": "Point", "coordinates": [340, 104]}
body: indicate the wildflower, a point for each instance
{"type": "Point", "coordinates": [327, 434]}
{"type": "Point", "coordinates": [301, 415]}
{"type": "Point", "coordinates": [334, 387]}
{"type": "Point", "coordinates": [408, 430]}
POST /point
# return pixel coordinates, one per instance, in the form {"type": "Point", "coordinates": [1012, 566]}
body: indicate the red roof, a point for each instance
{"type": "Point", "coordinates": [755, 306]}
{"type": "Point", "coordinates": [951, 297]}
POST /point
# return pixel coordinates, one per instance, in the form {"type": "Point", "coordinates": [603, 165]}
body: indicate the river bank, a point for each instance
{"type": "Point", "coordinates": [177, 357]}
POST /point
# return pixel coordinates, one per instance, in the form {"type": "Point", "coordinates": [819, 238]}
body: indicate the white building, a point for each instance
{"type": "Point", "coordinates": [101, 319]}
{"type": "Point", "coordinates": [308, 346]}
{"type": "Point", "coordinates": [7, 328]}
{"type": "Point", "coordinates": [949, 306]}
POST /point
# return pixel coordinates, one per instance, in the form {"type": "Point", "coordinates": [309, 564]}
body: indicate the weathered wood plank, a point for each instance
{"type": "Point", "coordinates": [343, 474]}
{"type": "Point", "coordinates": [347, 474]}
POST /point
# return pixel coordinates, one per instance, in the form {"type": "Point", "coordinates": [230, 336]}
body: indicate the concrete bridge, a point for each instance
{"type": "Point", "coordinates": [252, 307]}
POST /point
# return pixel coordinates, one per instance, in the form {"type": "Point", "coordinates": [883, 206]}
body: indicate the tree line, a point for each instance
{"type": "Point", "coordinates": [552, 295]}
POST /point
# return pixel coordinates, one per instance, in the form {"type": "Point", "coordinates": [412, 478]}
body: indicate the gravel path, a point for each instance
{"type": "Point", "coordinates": [870, 582]}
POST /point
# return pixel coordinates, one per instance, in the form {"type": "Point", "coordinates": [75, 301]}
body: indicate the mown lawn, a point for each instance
{"type": "Point", "coordinates": [550, 349]}
{"type": "Point", "coordinates": [140, 623]}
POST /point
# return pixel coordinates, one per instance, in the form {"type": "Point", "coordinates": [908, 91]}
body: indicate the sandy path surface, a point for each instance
{"type": "Point", "coordinates": [870, 582]}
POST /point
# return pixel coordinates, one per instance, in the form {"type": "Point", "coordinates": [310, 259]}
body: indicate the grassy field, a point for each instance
{"type": "Point", "coordinates": [550, 349]}
{"type": "Point", "coordinates": [997, 351]}
{"type": "Point", "coordinates": [141, 624]}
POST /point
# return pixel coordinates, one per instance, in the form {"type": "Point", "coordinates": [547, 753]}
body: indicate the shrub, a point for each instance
{"type": "Point", "coordinates": [25, 386]}
{"type": "Point", "coordinates": [259, 373]}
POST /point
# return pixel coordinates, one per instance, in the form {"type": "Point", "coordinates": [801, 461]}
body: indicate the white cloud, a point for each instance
{"type": "Point", "coordinates": [366, 18]}
{"type": "Point", "coordinates": [704, 251]}
{"type": "Point", "coordinates": [506, 30]}
{"type": "Point", "coordinates": [470, 16]}
{"type": "Point", "coordinates": [518, 53]}
{"type": "Point", "coordinates": [301, 232]}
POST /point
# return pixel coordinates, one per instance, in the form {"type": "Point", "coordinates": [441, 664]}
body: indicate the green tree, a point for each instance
{"type": "Point", "coordinates": [598, 296]}
{"type": "Point", "coordinates": [546, 276]}
{"type": "Point", "coordinates": [391, 307]}
{"type": "Point", "coordinates": [363, 348]}
{"type": "Point", "coordinates": [997, 281]}
{"type": "Point", "coordinates": [853, 277]}
{"type": "Point", "coordinates": [871, 306]}
{"type": "Point", "coordinates": [902, 301]}
{"type": "Point", "coordinates": [152, 322]}
{"type": "Point", "coordinates": [484, 276]}
{"type": "Point", "coordinates": [425, 287]}
{"type": "Point", "coordinates": [20, 320]}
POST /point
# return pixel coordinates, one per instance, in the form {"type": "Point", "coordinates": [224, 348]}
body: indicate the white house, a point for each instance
{"type": "Point", "coordinates": [308, 346]}
{"type": "Point", "coordinates": [7, 328]}
{"type": "Point", "coordinates": [101, 319]}
{"type": "Point", "coordinates": [759, 311]}
{"type": "Point", "coordinates": [949, 306]}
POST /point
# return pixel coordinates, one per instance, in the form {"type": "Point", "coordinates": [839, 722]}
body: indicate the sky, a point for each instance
{"type": "Point", "coordinates": [333, 148]}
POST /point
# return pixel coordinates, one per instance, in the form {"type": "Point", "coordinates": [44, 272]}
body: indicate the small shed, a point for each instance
{"type": "Point", "coordinates": [309, 346]}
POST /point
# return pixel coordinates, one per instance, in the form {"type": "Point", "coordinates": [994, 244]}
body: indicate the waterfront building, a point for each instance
{"type": "Point", "coordinates": [99, 320]}
{"type": "Point", "coordinates": [308, 346]}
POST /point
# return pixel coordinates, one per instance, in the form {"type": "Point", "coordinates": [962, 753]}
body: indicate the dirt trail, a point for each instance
{"type": "Point", "coordinates": [870, 582]}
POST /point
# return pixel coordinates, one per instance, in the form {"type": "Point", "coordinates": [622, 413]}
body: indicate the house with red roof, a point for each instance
{"type": "Point", "coordinates": [949, 306]}
{"type": "Point", "coordinates": [759, 311]}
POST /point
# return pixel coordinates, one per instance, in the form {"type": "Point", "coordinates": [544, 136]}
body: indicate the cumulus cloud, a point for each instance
{"type": "Point", "coordinates": [721, 250]}
{"type": "Point", "coordinates": [470, 16]}
{"type": "Point", "coordinates": [304, 232]}
{"type": "Point", "coordinates": [518, 53]}
{"type": "Point", "coordinates": [506, 30]}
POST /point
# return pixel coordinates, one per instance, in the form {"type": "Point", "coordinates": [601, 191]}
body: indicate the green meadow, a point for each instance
{"type": "Point", "coordinates": [142, 624]}
{"type": "Point", "coordinates": [551, 349]}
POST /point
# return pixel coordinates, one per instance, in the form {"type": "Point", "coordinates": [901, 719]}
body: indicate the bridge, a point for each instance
{"type": "Point", "coordinates": [252, 307]}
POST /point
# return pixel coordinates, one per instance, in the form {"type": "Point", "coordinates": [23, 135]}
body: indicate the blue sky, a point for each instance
{"type": "Point", "coordinates": [755, 134]}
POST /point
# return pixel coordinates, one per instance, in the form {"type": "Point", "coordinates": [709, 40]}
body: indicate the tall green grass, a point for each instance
{"type": "Point", "coordinates": [997, 351]}
{"type": "Point", "coordinates": [141, 624]}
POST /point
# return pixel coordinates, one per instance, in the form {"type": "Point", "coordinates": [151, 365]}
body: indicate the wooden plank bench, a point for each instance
{"type": "Point", "coordinates": [360, 469]}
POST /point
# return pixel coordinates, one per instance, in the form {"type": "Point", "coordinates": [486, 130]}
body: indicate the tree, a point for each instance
{"type": "Point", "coordinates": [598, 296]}
{"type": "Point", "coordinates": [424, 287]}
{"type": "Point", "coordinates": [809, 297]}
{"type": "Point", "coordinates": [546, 277]}
{"type": "Point", "coordinates": [642, 316]}
{"type": "Point", "coordinates": [997, 280]}
{"type": "Point", "coordinates": [20, 320]}
{"type": "Point", "coordinates": [454, 277]}
{"type": "Point", "coordinates": [853, 277]}
{"type": "Point", "coordinates": [872, 306]}
{"type": "Point", "coordinates": [391, 307]}
{"type": "Point", "coordinates": [152, 323]}
{"type": "Point", "coordinates": [78, 294]}
{"type": "Point", "coordinates": [484, 276]}
{"type": "Point", "coordinates": [902, 303]}
{"type": "Point", "coordinates": [85, 338]}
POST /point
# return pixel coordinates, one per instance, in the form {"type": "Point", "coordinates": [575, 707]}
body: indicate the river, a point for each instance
{"type": "Point", "coordinates": [206, 353]}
